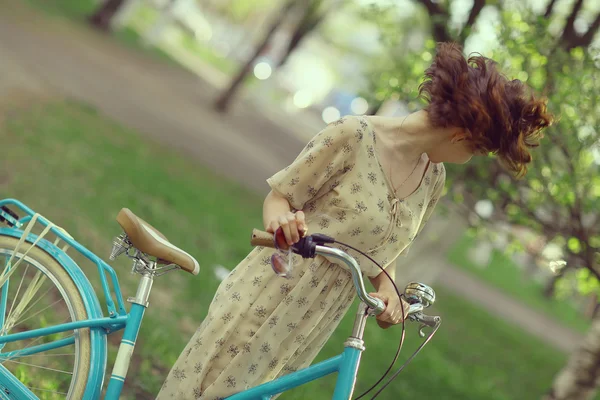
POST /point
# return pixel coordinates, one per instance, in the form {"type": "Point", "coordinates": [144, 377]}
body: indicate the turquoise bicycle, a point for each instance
{"type": "Point", "coordinates": [53, 338]}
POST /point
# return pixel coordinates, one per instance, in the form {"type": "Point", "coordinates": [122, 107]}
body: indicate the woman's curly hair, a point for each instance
{"type": "Point", "coordinates": [500, 116]}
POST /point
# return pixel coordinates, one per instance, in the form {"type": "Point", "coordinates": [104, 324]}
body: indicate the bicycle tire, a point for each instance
{"type": "Point", "coordinates": [70, 290]}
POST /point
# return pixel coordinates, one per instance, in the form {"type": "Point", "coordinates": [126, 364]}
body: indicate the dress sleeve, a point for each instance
{"type": "Point", "coordinates": [331, 152]}
{"type": "Point", "coordinates": [434, 199]}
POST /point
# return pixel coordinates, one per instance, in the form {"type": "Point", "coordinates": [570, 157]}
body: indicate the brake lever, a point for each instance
{"type": "Point", "coordinates": [426, 321]}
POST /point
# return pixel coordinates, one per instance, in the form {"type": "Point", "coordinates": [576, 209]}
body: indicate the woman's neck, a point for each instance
{"type": "Point", "coordinates": [411, 136]}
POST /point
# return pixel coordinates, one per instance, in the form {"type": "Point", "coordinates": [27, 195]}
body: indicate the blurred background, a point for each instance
{"type": "Point", "coordinates": [180, 109]}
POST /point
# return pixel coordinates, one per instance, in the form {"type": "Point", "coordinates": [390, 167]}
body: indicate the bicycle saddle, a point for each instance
{"type": "Point", "coordinates": [149, 240]}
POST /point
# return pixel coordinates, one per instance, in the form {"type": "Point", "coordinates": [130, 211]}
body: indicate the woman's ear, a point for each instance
{"type": "Point", "coordinates": [458, 136]}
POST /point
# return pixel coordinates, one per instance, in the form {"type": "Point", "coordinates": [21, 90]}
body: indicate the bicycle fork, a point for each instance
{"type": "Point", "coordinates": [134, 320]}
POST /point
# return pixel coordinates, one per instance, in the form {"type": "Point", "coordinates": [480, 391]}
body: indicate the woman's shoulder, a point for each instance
{"type": "Point", "coordinates": [349, 126]}
{"type": "Point", "coordinates": [350, 121]}
{"type": "Point", "coordinates": [347, 132]}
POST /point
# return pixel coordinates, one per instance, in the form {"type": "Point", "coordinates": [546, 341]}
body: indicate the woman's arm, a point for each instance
{"type": "Point", "coordinates": [277, 212]}
{"type": "Point", "coordinates": [382, 283]}
{"type": "Point", "coordinates": [326, 155]}
{"type": "Point", "coordinates": [386, 292]}
{"type": "Point", "coordinates": [274, 206]}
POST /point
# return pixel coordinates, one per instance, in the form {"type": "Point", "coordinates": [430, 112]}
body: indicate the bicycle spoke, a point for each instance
{"type": "Point", "coordinates": [22, 353]}
{"type": "Point", "coordinates": [39, 298]}
{"type": "Point", "coordinates": [47, 390]}
{"type": "Point", "coordinates": [4, 294]}
{"type": "Point", "coordinates": [7, 317]}
{"type": "Point", "coordinates": [39, 366]}
{"type": "Point", "coordinates": [36, 283]}
{"type": "Point", "coordinates": [30, 344]}
{"type": "Point", "coordinates": [48, 355]}
{"type": "Point", "coordinates": [31, 316]}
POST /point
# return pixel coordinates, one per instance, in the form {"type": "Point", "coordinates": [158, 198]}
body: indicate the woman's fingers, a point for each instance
{"type": "Point", "coordinates": [273, 226]}
{"type": "Point", "coordinates": [293, 226]}
{"type": "Point", "coordinates": [380, 296]}
{"type": "Point", "coordinates": [302, 228]}
{"type": "Point", "coordinates": [387, 313]}
{"type": "Point", "coordinates": [294, 235]}
{"type": "Point", "coordinates": [393, 311]}
{"type": "Point", "coordinates": [285, 227]}
{"type": "Point", "coordinates": [401, 312]}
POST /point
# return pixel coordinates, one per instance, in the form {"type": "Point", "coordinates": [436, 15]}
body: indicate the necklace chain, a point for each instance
{"type": "Point", "coordinates": [395, 189]}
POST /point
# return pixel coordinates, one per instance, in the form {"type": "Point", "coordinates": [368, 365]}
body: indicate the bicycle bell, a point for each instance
{"type": "Point", "coordinates": [417, 292]}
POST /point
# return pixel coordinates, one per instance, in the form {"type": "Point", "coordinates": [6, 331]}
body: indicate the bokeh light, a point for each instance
{"type": "Point", "coordinates": [303, 98]}
{"type": "Point", "coordinates": [359, 106]}
{"type": "Point", "coordinates": [484, 208]}
{"type": "Point", "coordinates": [203, 33]}
{"type": "Point", "coordinates": [262, 70]}
{"type": "Point", "coordinates": [330, 114]}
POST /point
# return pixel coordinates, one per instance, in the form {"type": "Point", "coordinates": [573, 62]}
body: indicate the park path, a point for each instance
{"type": "Point", "coordinates": [173, 106]}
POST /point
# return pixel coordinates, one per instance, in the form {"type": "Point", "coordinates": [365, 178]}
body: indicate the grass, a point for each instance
{"type": "Point", "coordinates": [72, 9]}
{"type": "Point", "coordinates": [78, 169]}
{"type": "Point", "coordinates": [508, 277]}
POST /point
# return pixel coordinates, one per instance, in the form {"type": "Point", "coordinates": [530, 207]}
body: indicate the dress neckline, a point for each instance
{"type": "Point", "coordinates": [390, 187]}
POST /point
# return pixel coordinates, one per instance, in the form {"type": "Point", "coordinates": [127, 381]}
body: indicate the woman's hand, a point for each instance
{"type": "Point", "coordinates": [292, 224]}
{"type": "Point", "coordinates": [393, 312]}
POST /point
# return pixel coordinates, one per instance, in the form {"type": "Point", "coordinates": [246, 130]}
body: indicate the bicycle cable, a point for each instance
{"type": "Point", "coordinates": [402, 337]}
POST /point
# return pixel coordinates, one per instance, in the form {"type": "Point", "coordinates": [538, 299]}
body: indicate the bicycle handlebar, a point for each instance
{"type": "Point", "coordinates": [312, 245]}
{"type": "Point", "coordinates": [260, 238]}
{"type": "Point", "coordinates": [377, 305]}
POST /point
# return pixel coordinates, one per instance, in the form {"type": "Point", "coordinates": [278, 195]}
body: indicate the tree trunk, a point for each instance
{"type": "Point", "coordinates": [579, 379]}
{"type": "Point", "coordinates": [103, 16]}
{"type": "Point", "coordinates": [222, 103]}
{"type": "Point", "coordinates": [302, 30]}
{"type": "Point", "coordinates": [592, 307]}
{"type": "Point", "coordinates": [295, 41]}
{"type": "Point", "coordinates": [550, 287]}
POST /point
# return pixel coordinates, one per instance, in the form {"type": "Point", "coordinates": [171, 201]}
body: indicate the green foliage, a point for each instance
{"type": "Point", "coordinates": [240, 11]}
{"type": "Point", "coordinates": [577, 282]}
{"type": "Point", "coordinates": [560, 197]}
{"type": "Point", "coordinates": [557, 193]}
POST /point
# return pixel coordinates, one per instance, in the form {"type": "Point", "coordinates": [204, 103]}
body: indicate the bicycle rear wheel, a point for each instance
{"type": "Point", "coordinates": [38, 294]}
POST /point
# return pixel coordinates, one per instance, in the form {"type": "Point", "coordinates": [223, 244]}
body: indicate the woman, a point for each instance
{"type": "Point", "coordinates": [372, 182]}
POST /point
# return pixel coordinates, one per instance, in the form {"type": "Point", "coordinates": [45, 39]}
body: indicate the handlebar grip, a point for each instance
{"type": "Point", "coordinates": [262, 238]}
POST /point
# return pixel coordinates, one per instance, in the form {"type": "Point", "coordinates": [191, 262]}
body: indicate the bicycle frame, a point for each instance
{"type": "Point", "coordinates": [346, 364]}
{"type": "Point", "coordinates": [99, 325]}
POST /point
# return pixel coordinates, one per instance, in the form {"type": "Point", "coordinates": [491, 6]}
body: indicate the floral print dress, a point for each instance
{"type": "Point", "coordinates": [259, 325]}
